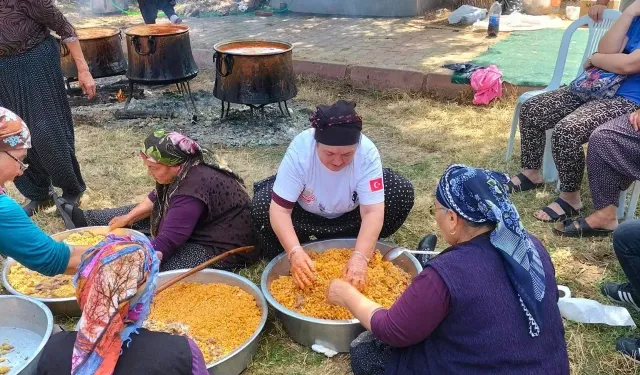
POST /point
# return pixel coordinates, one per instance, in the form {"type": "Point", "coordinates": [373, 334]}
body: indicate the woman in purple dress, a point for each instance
{"type": "Point", "coordinates": [485, 305]}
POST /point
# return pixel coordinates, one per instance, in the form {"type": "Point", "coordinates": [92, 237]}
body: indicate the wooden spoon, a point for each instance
{"type": "Point", "coordinates": [202, 266]}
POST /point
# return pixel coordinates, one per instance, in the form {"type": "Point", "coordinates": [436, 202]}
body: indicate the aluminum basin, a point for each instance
{"type": "Point", "coordinates": [26, 325]}
{"type": "Point", "coordinates": [236, 361]}
{"type": "Point", "coordinates": [63, 306]}
{"type": "Point", "coordinates": [333, 334]}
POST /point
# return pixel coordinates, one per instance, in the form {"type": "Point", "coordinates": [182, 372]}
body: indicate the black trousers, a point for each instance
{"type": "Point", "coordinates": [149, 9]}
{"type": "Point", "coordinates": [626, 244]}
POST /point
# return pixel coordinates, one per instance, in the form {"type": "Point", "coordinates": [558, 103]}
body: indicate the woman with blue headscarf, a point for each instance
{"type": "Point", "coordinates": [487, 304]}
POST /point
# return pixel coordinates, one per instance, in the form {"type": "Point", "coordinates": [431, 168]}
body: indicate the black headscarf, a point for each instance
{"type": "Point", "coordinates": [337, 124]}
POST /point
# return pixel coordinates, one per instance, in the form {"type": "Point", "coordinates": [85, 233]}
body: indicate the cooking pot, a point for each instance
{"type": "Point", "coordinates": [159, 54]}
{"type": "Point", "coordinates": [102, 49]}
{"type": "Point", "coordinates": [254, 72]}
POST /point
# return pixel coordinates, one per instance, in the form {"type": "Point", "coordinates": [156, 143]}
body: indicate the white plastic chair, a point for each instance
{"type": "Point", "coordinates": [633, 203]}
{"type": "Point", "coordinates": [596, 32]}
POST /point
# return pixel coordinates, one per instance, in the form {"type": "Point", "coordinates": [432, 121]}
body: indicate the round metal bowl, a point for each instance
{"type": "Point", "coordinates": [332, 334]}
{"type": "Point", "coordinates": [63, 306]}
{"type": "Point", "coordinates": [236, 361]}
{"type": "Point", "coordinates": [26, 325]}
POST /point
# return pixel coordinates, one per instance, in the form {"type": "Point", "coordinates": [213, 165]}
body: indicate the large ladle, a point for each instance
{"type": "Point", "coordinates": [428, 244]}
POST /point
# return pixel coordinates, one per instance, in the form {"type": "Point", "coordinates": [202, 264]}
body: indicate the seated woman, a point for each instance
{"type": "Point", "coordinates": [115, 285]}
{"type": "Point", "coordinates": [486, 305]}
{"type": "Point", "coordinates": [20, 238]}
{"type": "Point", "coordinates": [573, 120]}
{"type": "Point", "coordinates": [330, 184]}
{"type": "Point", "coordinates": [199, 208]}
{"type": "Point", "coordinates": [612, 165]}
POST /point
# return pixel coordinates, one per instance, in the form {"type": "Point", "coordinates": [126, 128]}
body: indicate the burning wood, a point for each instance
{"type": "Point", "coordinates": [120, 96]}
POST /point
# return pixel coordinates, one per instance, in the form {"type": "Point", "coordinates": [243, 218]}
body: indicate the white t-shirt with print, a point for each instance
{"type": "Point", "coordinates": [304, 179]}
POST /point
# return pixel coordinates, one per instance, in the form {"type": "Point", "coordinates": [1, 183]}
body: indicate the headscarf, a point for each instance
{"type": "Point", "coordinates": [14, 133]}
{"type": "Point", "coordinates": [173, 149]}
{"type": "Point", "coordinates": [337, 124]}
{"type": "Point", "coordinates": [107, 281]}
{"type": "Point", "coordinates": [480, 196]}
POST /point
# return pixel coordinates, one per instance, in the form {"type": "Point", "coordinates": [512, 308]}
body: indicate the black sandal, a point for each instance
{"type": "Point", "coordinates": [525, 184]}
{"type": "Point", "coordinates": [568, 209]}
{"type": "Point", "coordinates": [580, 228]}
{"type": "Point", "coordinates": [65, 209]}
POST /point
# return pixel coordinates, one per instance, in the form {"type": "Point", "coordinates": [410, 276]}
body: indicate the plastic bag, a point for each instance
{"type": "Point", "coordinates": [584, 310]}
{"type": "Point", "coordinates": [467, 15]}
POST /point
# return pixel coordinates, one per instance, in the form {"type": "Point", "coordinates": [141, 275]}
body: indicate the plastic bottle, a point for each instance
{"type": "Point", "coordinates": [494, 19]}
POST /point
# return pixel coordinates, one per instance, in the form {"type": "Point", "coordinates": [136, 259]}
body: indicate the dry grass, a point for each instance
{"type": "Point", "coordinates": [419, 137]}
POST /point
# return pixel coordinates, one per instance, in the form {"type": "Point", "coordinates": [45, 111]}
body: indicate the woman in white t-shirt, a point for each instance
{"type": "Point", "coordinates": [330, 184]}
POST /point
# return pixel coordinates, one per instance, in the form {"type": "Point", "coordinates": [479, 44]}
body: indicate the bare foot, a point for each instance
{"type": "Point", "coordinates": [572, 198]}
{"type": "Point", "coordinates": [532, 174]}
{"type": "Point", "coordinates": [605, 218]}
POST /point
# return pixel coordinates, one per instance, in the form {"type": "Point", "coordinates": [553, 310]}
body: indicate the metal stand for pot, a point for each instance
{"type": "Point", "coordinates": [184, 88]}
{"type": "Point", "coordinates": [253, 107]}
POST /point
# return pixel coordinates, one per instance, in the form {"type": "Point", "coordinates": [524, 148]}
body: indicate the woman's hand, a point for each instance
{"type": "Point", "coordinates": [634, 118]}
{"type": "Point", "coordinates": [595, 12]}
{"type": "Point", "coordinates": [587, 63]}
{"type": "Point", "coordinates": [302, 269]}
{"type": "Point", "coordinates": [336, 292]}
{"type": "Point", "coordinates": [87, 84]}
{"type": "Point", "coordinates": [355, 272]}
{"type": "Point", "coordinates": [120, 222]}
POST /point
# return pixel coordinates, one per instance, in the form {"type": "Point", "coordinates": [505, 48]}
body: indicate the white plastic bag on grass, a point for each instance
{"type": "Point", "coordinates": [467, 15]}
{"type": "Point", "coordinates": [584, 310]}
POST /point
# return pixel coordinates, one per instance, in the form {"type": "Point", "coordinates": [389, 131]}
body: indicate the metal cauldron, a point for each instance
{"type": "Point", "coordinates": [25, 324]}
{"type": "Point", "coordinates": [332, 334]}
{"type": "Point", "coordinates": [63, 306]}
{"type": "Point", "coordinates": [254, 72]}
{"type": "Point", "coordinates": [102, 49]}
{"type": "Point", "coordinates": [237, 360]}
{"type": "Point", "coordinates": [159, 54]}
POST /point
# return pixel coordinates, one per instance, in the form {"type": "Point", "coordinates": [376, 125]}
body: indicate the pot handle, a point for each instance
{"type": "Point", "coordinates": [152, 45]}
{"type": "Point", "coordinates": [228, 62]}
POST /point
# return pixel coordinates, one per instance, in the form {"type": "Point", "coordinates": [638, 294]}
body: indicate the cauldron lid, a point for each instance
{"type": "Point", "coordinates": [88, 33]}
{"type": "Point", "coordinates": [156, 30]}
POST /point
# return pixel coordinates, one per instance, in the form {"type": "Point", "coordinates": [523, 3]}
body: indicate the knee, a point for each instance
{"type": "Point", "coordinates": [626, 238]}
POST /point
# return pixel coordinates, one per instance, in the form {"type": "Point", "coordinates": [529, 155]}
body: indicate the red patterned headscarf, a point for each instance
{"type": "Point", "coordinates": [14, 133]}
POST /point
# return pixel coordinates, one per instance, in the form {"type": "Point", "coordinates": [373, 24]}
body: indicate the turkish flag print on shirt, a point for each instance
{"type": "Point", "coordinates": [376, 184]}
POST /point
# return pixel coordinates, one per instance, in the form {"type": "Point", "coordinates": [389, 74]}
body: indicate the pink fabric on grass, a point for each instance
{"type": "Point", "coordinates": [487, 84]}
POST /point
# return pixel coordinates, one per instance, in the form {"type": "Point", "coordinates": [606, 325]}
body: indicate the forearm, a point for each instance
{"type": "Point", "coordinates": [372, 222]}
{"type": "Point", "coordinates": [360, 306]}
{"type": "Point", "coordinates": [613, 41]}
{"type": "Point", "coordinates": [75, 258]}
{"type": "Point", "coordinates": [142, 211]}
{"type": "Point", "coordinates": [282, 226]}
{"type": "Point", "coordinates": [619, 63]}
{"type": "Point", "coordinates": [78, 57]}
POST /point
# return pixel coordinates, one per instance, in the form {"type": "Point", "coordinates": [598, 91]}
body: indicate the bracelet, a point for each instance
{"type": "Point", "coordinates": [293, 251]}
{"type": "Point", "coordinates": [362, 255]}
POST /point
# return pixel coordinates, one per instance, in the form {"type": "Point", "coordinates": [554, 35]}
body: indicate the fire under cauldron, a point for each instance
{"type": "Point", "coordinates": [102, 49]}
{"type": "Point", "coordinates": [160, 55]}
{"type": "Point", "coordinates": [254, 73]}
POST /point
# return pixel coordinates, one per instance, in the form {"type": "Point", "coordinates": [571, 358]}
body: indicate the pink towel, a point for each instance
{"type": "Point", "coordinates": [487, 83]}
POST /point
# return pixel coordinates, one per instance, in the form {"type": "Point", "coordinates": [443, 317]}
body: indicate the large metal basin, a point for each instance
{"type": "Point", "coordinates": [63, 306]}
{"type": "Point", "coordinates": [308, 331]}
{"type": "Point", "coordinates": [26, 325]}
{"type": "Point", "coordinates": [237, 360]}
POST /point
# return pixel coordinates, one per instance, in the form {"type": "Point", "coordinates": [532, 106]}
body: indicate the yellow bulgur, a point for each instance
{"type": "Point", "coordinates": [35, 284]}
{"type": "Point", "coordinates": [385, 283]}
{"type": "Point", "coordinates": [218, 317]}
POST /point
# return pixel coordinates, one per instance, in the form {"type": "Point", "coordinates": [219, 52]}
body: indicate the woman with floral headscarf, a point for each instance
{"type": "Point", "coordinates": [199, 208]}
{"type": "Point", "coordinates": [485, 305]}
{"type": "Point", "coordinates": [20, 238]}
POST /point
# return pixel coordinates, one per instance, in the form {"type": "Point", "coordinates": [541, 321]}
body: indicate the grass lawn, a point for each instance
{"type": "Point", "coordinates": [417, 136]}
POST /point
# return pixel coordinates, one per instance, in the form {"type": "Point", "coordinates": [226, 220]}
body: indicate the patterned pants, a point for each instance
{"type": "Point", "coordinates": [188, 255]}
{"type": "Point", "coordinates": [32, 86]}
{"type": "Point", "coordinates": [572, 121]}
{"type": "Point", "coordinates": [398, 202]}
{"type": "Point", "coordinates": [369, 356]}
{"type": "Point", "coordinates": [613, 161]}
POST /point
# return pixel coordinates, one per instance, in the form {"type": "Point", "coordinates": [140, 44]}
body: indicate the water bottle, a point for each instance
{"type": "Point", "coordinates": [494, 19]}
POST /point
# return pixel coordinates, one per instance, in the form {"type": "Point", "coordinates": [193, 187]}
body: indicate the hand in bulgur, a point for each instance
{"type": "Point", "coordinates": [336, 291]}
{"type": "Point", "coordinates": [302, 269]}
{"type": "Point", "coordinates": [355, 271]}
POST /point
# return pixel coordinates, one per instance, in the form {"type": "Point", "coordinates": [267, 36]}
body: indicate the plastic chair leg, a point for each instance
{"type": "Point", "coordinates": [549, 171]}
{"type": "Point", "coordinates": [633, 204]}
{"type": "Point", "coordinates": [514, 127]}
{"type": "Point", "coordinates": [622, 202]}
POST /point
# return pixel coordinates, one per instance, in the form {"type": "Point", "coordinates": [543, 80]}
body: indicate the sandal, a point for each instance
{"type": "Point", "coordinates": [568, 209]}
{"type": "Point", "coordinates": [65, 209]}
{"type": "Point", "coordinates": [525, 184]}
{"type": "Point", "coordinates": [580, 228]}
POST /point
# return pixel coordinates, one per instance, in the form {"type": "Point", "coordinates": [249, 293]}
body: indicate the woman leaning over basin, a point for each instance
{"type": "Point", "coordinates": [486, 305]}
{"type": "Point", "coordinates": [330, 184]}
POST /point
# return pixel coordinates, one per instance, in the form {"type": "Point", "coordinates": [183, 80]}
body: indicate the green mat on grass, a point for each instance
{"type": "Point", "coordinates": [528, 58]}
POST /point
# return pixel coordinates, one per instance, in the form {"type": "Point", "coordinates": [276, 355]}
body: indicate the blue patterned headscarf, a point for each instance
{"type": "Point", "coordinates": [479, 196]}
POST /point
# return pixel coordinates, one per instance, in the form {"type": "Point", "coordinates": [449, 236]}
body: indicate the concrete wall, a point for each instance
{"type": "Point", "coordinates": [360, 8]}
